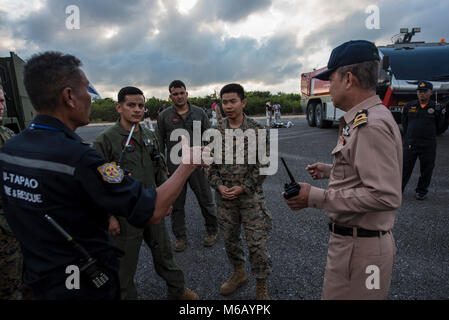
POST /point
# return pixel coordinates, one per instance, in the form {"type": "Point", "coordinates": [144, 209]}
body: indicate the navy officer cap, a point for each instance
{"type": "Point", "coordinates": [424, 85]}
{"type": "Point", "coordinates": [351, 52]}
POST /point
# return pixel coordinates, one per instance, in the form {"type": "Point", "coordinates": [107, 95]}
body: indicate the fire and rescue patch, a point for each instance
{"type": "Point", "coordinates": [111, 173]}
{"type": "Point", "coordinates": [131, 145]}
{"type": "Point", "coordinates": [360, 118]}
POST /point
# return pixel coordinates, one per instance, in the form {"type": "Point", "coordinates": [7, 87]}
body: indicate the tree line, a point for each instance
{"type": "Point", "coordinates": [103, 110]}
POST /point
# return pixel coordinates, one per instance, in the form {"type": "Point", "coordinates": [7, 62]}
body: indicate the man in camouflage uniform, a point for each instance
{"type": "Point", "coordinates": [240, 199]}
{"type": "Point", "coordinates": [10, 256]}
{"type": "Point", "coordinates": [144, 162]}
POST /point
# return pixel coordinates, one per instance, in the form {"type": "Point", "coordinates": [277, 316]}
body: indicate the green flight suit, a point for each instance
{"type": "Point", "coordinates": [138, 160]}
{"type": "Point", "coordinates": [168, 121]}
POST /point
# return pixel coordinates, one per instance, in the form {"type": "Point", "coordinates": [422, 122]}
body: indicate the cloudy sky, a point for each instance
{"type": "Point", "coordinates": [262, 44]}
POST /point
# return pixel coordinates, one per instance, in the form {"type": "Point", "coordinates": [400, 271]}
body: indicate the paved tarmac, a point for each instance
{"type": "Point", "coordinates": [298, 241]}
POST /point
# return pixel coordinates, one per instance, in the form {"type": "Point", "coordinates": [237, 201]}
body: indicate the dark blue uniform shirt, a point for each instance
{"type": "Point", "coordinates": [48, 169]}
{"type": "Point", "coordinates": [422, 124]}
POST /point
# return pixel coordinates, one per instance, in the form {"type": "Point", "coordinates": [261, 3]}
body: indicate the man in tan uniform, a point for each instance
{"type": "Point", "coordinates": [364, 181]}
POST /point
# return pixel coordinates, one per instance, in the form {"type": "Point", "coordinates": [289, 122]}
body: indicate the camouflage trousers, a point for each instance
{"type": "Point", "coordinates": [256, 220]}
{"type": "Point", "coordinates": [10, 263]}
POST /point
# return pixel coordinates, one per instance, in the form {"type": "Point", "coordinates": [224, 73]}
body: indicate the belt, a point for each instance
{"type": "Point", "coordinates": [362, 233]}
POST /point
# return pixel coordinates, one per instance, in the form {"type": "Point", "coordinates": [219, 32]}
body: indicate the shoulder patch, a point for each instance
{"type": "Point", "coordinates": [111, 173]}
{"type": "Point", "coordinates": [361, 118]}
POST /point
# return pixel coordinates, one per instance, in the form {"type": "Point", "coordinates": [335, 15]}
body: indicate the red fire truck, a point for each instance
{"type": "Point", "coordinates": [403, 64]}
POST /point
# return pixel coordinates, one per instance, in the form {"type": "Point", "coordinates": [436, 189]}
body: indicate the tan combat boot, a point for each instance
{"type": "Point", "coordinates": [237, 279]}
{"type": "Point", "coordinates": [180, 245]}
{"type": "Point", "coordinates": [186, 295]}
{"type": "Point", "coordinates": [262, 290]}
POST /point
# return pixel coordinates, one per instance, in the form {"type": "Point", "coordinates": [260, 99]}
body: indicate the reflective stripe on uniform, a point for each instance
{"type": "Point", "coordinates": [38, 164]}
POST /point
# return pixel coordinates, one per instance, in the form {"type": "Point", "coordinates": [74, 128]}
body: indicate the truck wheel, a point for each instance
{"type": "Point", "coordinates": [311, 115]}
{"type": "Point", "coordinates": [319, 117]}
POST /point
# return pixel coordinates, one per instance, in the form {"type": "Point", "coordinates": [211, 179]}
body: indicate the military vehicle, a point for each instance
{"type": "Point", "coordinates": [19, 110]}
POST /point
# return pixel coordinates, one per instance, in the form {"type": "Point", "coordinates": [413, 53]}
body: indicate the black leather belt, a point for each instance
{"type": "Point", "coordinates": [363, 233]}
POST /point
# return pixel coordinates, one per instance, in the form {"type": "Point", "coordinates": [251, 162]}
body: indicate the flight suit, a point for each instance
{"type": "Point", "coordinates": [361, 201]}
{"type": "Point", "coordinates": [143, 161]}
{"type": "Point", "coordinates": [168, 121]}
{"type": "Point", "coordinates": [421, 126]}
{"type": "Point", "coordinates": [49, 169]}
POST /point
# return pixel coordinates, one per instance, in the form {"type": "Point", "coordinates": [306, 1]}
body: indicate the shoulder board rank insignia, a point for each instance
{"type": "Point", "coordinates": [111, 173]}
{"type": "Point", "coordinates": [360, 118]}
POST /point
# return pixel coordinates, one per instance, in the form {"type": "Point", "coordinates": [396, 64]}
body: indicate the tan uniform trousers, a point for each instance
{"type": "Point", "coordinates": [358, 268]}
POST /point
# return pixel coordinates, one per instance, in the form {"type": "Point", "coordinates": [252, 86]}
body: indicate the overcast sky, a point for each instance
{"type": "Point", "coordinates": [262, 44]}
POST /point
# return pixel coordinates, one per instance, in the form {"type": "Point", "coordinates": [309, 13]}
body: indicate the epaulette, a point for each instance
{"type": "Point", "coordinates": [361, 118]}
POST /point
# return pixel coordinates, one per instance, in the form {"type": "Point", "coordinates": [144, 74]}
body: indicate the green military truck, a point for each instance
{"type": "Point", "coordinates": [19, 111]}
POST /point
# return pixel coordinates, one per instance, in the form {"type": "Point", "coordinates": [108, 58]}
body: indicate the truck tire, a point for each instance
{"type": "Point", "coordinates": [311, 114]}
{"type": "Point", "coordinates": [319, 117]}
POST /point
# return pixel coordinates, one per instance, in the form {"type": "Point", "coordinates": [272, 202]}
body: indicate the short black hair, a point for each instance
{"type": "Point", "coordinates": [176, 84]}
{"type": "Point", "coordinates": [47, 74]}
{"type": "Point", "coordinates": [233, 87]}
{"type": "Point", "coordinates": [128, 90]}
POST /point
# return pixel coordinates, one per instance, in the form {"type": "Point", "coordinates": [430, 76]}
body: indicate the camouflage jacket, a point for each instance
{"type": "Point", "coordinates": [5, 134]}
{"type": "Point", "coordinates": [245, 175]}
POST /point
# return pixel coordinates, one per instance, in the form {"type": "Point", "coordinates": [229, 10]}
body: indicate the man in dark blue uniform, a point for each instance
{"type": "Point", "coordinates": [422, 121]}
{"type": "Point", "coordinates": [49, 170]}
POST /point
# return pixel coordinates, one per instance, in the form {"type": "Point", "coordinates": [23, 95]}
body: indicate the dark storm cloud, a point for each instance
{"type": "Point", "coordinates": [155, 45]}
{"type": "Point", "coordinates": [231, 10]}
{"type": "Point", "coordinates": [180, 50]}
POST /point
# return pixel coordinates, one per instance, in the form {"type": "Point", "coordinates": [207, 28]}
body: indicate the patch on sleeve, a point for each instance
{"type": "Point", "coordinates": [361, 118]}
{"type": "Point", "coordinates": [111, 173]}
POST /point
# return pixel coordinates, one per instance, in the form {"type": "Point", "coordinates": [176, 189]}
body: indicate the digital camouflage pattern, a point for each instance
{"type": "Point", "coordinates": [10, 255]}
{"type": "Point", "coordinates": [249, 209]}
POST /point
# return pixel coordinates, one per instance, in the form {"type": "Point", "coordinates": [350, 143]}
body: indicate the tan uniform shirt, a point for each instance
{"type": "Point", "coordinates": [365, 180]}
